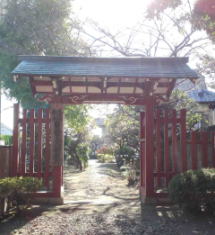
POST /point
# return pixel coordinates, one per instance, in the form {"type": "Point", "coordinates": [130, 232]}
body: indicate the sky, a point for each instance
{"type": "Point", "coordinates": [111, 14]}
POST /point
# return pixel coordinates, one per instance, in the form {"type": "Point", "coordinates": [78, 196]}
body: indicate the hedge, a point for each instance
{"type": "Point", "coordinates": [15, 191]}
{"type": "Point", "coordinates": [194, 190]}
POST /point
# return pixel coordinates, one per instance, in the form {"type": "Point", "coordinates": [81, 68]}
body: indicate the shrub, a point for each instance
{"type": "Point", "coordinates": [17, 190]}
{"type": "Point", "coordinates": [105, 150]}
{"type": "Point", "coordinates": [105, 158]}
{"type": "Point", "coordinates": [194, 190]}
{"type": "Point", "coordinates": [82, 153]}
{"type": "Point", "coordinates": [124, 155]}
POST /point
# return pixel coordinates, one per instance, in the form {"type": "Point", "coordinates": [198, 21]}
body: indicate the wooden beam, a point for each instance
{"type": "Point", "coordinates": [57, 146]}
{"type": "Point", "coordinates": [149, 150]}
{"type": "Point", "coordinates": [14, 168]}
{"type": "Point", "coordinates": [142, 155]}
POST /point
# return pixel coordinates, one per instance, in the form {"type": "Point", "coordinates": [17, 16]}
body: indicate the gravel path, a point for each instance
{"type": "Point", "coordinates": [97, 201]}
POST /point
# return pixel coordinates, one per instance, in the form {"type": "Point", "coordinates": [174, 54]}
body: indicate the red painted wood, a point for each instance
{"type": "Point", "coordinates": [14, 165]}
{"type": "Point", "coordinates": [159, 167]}
{"type": "Point", "coordinates": [194, 150]}
{"type": "Point", "coordinates": [142, 147]}
{"type": "Point", "coordinates": [79, 98]}
{"type": "Point", "coordinates": [166, 145]}
{"type": "Point", "coordinates": [47, 150]}
{"type": "Point", "coordinates": [23, 147]}
{"type": "Point", "coordinates": [164, 174]}
{"type": "Point", "coordinates": [57, 172]}
{"type": "Point", "coordinates": [213, 149]}
{"type": "Point", "coordinates": [183, 140]}
{"type": "Point", "coordinates": [149, 149]}
{"type": "Point", "coordinates": [32, 140]}
{"type": "Point", "coordinates": [39, 141]}
{"type": "Point", "coordinates": [174, 141]}
{"type": "Point", "coordinates": [204, 139]}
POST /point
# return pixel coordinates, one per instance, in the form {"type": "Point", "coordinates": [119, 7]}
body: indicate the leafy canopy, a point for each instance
{"type": "Point", "coordinates": [39, 27]}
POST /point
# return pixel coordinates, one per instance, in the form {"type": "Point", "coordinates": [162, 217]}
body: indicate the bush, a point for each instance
{"type": "Point", "coordinates": [82, 153]}
{"type": "Point", "coordinates": [105, 158]}
{"type": "Point", "coordinates": [124, 155]}
{"type": "Point", "coordinates": [194, 190]}
{"type": "Point", "coordinates": [16, 191]}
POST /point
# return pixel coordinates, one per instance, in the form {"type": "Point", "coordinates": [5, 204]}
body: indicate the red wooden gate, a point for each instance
{"type": "Point", "coordinates": [31, 146]}
{"type": "Point", "coordinates": [175, 149]}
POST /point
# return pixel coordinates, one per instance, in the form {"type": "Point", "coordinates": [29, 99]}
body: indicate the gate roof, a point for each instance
{"type": "Point", "coordinates": [92, 79]}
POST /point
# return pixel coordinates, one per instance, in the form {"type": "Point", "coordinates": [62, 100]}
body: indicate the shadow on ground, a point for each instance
{"type": "Point", "coordinates": [102, 204]}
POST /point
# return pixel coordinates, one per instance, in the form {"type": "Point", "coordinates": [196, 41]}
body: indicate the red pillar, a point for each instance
{"type": "Point", "coordinates": [142, 153]}
{"type": "Point", "coordinates": [14, 159]}
{"type": "Point", "coordinates": [149, 152]}
{"type": "Point", "coordinates": [57, 149]}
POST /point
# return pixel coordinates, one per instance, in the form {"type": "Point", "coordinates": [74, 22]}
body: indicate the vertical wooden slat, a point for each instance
{"type": "Point", "coordinates": [158, 145]}
{"type": "Point", "coordinates": [204, 144]}
{"type": "Point", "coordinates": [23, 147]}
{"type": "Point", "coordinates": [213, 149]}
{"type": "Point", "coordinates": [39, 142]}
{"type": "Point", "coordinates": [149, 150]}
{"type": "Point", "coordinates": [14, 163]}
{"type": "Point", "coordinates": [166, 145]}
{"type": "Point", "coordinates": [57, 146]}
{"type": "Point", "coordinates": [32, 140]}
{"type": "Point", "coordinates": [47, 148]}
{"type": "Point", "coordinates": [194, 149]}
{"type": "Point", "coordinates": [183, 139]}
{"type": "Point", "coordinates": [142, 148]}
{"type": "Point", "coordinates": [174, 141]}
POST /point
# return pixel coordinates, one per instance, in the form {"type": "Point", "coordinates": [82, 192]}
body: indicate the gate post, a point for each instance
{"type": "Point", "coordinates": [14, 159]}
{"type": "Point", "coordinates": [57, 150]}
{"type": "Point", "coordinates": [142, 154]}
{"type": "Point", "coordinates": [148, 194]}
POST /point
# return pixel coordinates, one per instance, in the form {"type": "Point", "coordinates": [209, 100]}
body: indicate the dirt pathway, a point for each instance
{"type": "Point", "coordinates": [98, 202]}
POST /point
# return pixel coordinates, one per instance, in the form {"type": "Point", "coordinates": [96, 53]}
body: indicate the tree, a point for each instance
{"type": "Point", "coordinates": [180, 100]}
{"type": "Point", "coordinates": [39, 27]}
{"type": "Point", "coordinates": [76, 135]}
{"type": "Point", "coordinates": [164, 31]}
{"type": "Point", "coordinates": [202, 17]}
{"type": "Point", "coordinates": [123, 127]}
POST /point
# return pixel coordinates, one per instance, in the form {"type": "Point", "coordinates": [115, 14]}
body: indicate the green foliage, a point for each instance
{"type": "Point", "coordinates": [179, 100]}
{"type": "Point", "coordinates": [7, 139]}
{"type": "Point", "coordinates": [82, 153]}
{"type": "Point", "coordinates": [194, 190]}
{"type": "Point", "coordinates": [95, 143]}
{"type": "Point", "coordinates": [19, 185]}
{"type": "Point", "coordinates": [124, 155]}
{"type": "Point", "coordinates": [40, 27]}
{"type": "Point", "coordinates": [17, 191]}
{"type": "Point", "coordinates": [105, 158]}
{"type": "Point", "coordinates": [76, 117]}
{"type": "Point", "coordinates": [123, 126]}
{"type": "Point", "coordinates": [76, 151]}
{"type": "Point", "coordinates": [76, 147]}
{"type": "Point", "coordinates": [204, 17]}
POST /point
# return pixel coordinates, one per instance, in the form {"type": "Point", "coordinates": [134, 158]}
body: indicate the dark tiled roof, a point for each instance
{"type": "Point", "coordinates": [91, 66]}
{"type": "Point", "coordinates": [202, 96]}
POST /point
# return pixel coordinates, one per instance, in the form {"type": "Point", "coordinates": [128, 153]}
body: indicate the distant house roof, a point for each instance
{"type": "Point", "coordinates": [5, 130]}
{"type": "Point", "coordinates": [202, 96]}
{"type": "Point", "coordinates": [94, 66]}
